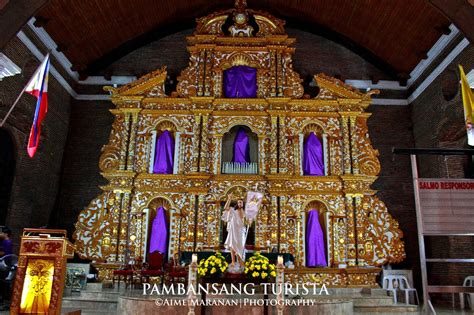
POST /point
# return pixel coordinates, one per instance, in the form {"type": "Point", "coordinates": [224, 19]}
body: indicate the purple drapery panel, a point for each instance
{"type": "Point", "coordinates": [159, 233]}
{"type": "Point", "coordinates": [240, 82]}
{"type": "Point", "coordinates": [315, 252]}
{"type": "Point", "coordinates": [164, 152]}
{"type": "Point", "coordinates": [313, 163]}
{"type": "Point", "coordinates": [241, 147]}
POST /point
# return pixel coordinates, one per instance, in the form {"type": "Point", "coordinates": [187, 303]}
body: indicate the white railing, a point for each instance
{"type": "Point", "coordinates": [239, 168]}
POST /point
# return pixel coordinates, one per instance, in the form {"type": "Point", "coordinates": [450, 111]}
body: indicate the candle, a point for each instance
{"type": "Point", "coordinates": [280, 260]}
{"type": "Point", "coordinates": [194, 258]}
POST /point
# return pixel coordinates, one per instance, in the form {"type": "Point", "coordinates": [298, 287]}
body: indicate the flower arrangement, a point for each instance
{"type": "Point", "coordinates": [258, 267]}
{"type": "Point", "coordinates": [214, 265]}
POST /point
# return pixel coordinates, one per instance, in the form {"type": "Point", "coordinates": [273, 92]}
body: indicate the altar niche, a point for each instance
{"type": "Point", "coordinates": [313, 148]}
{"type": "Point", "coordinates": [240, 82]}
{"type": "Point", "coordinates": [240, 151]}
{"type": "Point", "coordinates": [158, 227]}
{"type": "Point", "coordinates": [164, 149]}
{"type": "Point", "coordinates": [315, 234]}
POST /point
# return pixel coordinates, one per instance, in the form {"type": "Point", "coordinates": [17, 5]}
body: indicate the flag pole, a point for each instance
{"type": "Point", "coordinates": [12, 107]}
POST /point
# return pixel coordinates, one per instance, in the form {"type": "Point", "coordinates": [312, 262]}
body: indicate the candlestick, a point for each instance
{"type": "Point", "coordinates": [280, 260]}
{"type": "Point", "coordinates": [194, 258]}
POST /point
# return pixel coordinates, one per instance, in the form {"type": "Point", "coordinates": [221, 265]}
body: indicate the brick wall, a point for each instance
{"type": "Point", "coordinates": [89, 130]}
{"type": "Point", "coordinates": [438, 122]}
{"type": "Point", "coordinates": [36, 180]}
{"type": "Point", "coordinates": [314, 54]}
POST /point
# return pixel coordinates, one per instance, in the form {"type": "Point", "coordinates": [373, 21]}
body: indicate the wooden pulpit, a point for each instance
{"type": "Point", "coordinates": [41, 272]}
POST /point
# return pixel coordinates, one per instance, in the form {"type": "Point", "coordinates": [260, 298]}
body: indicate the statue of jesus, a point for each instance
{"type": "Point", "coordinates": [235, 241]}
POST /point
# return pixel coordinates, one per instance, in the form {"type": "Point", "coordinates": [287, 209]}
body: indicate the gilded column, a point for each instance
{"type": "Point", "coordinates": [279, 74]}
{"type": "Point", "coordinates": [124, 147]}
{"type": "Point", "coordinates": [351, 232]}
{"type": "Point", "coordinates": [346, 144]}
{"type": "Point", "coordinates": [273, 74]}
{"type": "Point", "coordinates": [115, 207]}
{"type": "Point", "coordinates": [202, 212]}
{"type": "Point", "coordinates": [296, 156]}
{"type": "Point", "coordinates": [218, 154]}
{"type": "Point", "coordinates": [360, 231]}
{"type": "Point", "coordinates": [189, 223]}
{"type": "Point", "coordinates": [132, 142]}
{"type": "Point", "coordinates": [273, 221]}
{"type": "Point", "coordinates": [124, 227]}
{"type": "Point", "coordinates": [204, 163]}
{"type": "Point", "coordinates": [283, 166]}
{"type": "Point", "coordinates": [196, 140]}
{"type": "Point", "coordinates": [201, 72]}
{"type": "Point", "coordinates": [261, 155]}
{"type": "Point", "coordinates": [274, 145]}
{"type": "Point", "coordinates": [352, 127]}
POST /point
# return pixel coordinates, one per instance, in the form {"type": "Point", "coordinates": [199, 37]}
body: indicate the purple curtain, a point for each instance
{"type": "Point", "coordinates": [240, 82]}
{"type": "Point", "coordinates": [164, 152]}
{"type": "Point", "coordinates": [313, 163]}
{"type": "Point", "coordinates": [315, 252]}
{"type": "Point", "coordinates": [159, 233]}
{"type": "Point", "coordinates": [241, 147]}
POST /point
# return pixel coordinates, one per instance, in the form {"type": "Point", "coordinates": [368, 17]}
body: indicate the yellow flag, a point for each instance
{"type": "Point", "coordinates": [467, 97]}
{"type": "Point", "coordinates": [468, 102]}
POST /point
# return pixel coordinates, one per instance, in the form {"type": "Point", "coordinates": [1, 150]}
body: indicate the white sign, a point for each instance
{"type": "Point", "coordinates": [447, 205]}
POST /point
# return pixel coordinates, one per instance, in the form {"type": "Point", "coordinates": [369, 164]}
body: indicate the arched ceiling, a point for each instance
{"type": "Point", "coordinates": [397, 33]}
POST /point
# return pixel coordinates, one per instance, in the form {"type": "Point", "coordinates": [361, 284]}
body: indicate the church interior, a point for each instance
{"type": "Point", "coordinates": [341, 131]}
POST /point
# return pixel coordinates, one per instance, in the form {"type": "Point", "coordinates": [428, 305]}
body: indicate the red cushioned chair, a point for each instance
{"type": "Point", "coordinates": [175, 273]}
{"type": "Point", "coordinates": [155, 267]}
{"type": "Point", "coordinates": [125, 274]}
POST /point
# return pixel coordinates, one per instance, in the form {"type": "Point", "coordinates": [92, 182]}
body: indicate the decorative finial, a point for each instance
{"type": "Point", "coordinates": [240, 5]}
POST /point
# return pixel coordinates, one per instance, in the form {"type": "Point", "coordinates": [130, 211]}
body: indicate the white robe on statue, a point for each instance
{"type": "Point", "coordinates": [235, 232]}
{"type": "Point", "coordinates": [470, 136]}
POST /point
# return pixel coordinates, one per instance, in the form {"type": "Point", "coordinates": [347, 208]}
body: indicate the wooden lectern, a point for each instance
{"type": "Point", "coordinates": [40, 277]}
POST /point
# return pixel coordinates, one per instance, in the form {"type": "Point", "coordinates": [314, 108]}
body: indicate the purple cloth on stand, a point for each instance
{"type": "Point", "coordinates": [164, 152]}
{"type": "Point", "coordinates": [159, 233]}
{"type": "Point", "coordinates": [315, 252]}
{"type": "Point", "coordinates": [313, 163]}
{"type": "Point", "coordinates": [241, 147]}
{"type": "Point", "coordinates": [240, 82]}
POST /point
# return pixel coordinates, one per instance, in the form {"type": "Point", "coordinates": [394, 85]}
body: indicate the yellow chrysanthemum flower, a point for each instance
{"type": "Point", "coordinates": [264, 275]}
{"type": "Point", "coordinates": [255, 274]}
{"type": "Point", "coordinates": [273, 274]}
{"type": "Point", "coordinates": [213, 270]}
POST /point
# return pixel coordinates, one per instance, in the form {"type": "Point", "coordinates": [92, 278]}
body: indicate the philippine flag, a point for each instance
{"type": "Point", "coordinates": [38, 86]}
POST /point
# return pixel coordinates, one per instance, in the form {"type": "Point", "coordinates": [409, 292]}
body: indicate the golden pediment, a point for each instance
{"type": "Point", "coordinates": [150, 85]}
{"type": "Point", "coordinates": [332, 88]}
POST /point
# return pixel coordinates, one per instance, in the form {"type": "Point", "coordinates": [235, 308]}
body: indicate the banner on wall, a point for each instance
{"type": "Point", "coordinates": [446, 205]}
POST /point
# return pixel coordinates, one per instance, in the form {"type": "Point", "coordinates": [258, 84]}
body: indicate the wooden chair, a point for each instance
{"type": "Point", "coordinates": [175, 273]}
{"type": "Point", "coordinates": [126, 274]}
{"type": "Point", "coordinates": [154, 267]}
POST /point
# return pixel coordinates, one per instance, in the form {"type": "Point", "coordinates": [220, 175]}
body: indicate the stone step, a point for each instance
{"type": "Point", "coordinates": [96, 295]}
{"type": "Point", "coordinates": [372, 301]}
{"type": "Point", "coordinates": [90, 304]}
{"type": "Point", "coordinates": [387, 310]}
{"type": "Point", "coordinates": [74, 311]}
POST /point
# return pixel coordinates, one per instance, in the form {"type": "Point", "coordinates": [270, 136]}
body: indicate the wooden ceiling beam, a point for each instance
{"type": "Point", "coordinates": [14, 15]}
{"type": "Point", "coordinates": [460, 13]}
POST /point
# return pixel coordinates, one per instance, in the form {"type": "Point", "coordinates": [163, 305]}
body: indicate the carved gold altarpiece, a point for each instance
{"type": "Point", "coordinates": [360, 231]}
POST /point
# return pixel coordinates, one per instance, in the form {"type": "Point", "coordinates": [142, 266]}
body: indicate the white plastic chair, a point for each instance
{"type": "Point", "coordinates": [405, 286]}
{"type": "Point", "coordinates": [393, 283]}
{"type": "Point", "coordinates": [390, 284]}
{"type": "Point", "coordinates": [468, 282]}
